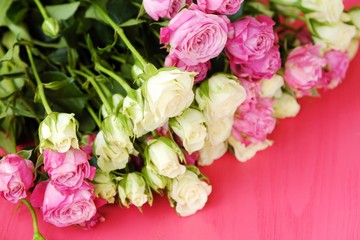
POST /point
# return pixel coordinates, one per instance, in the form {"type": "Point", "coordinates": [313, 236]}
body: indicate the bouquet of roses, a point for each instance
{"type": "Point", "coordinates": [113, 101]}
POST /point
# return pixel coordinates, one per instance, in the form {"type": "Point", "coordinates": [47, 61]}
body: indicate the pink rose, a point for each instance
{"type": "Point", "coordinates": [253, 120]}
{"type": "Point", "coordinates": [62, 209]}
{"type": "Point", "coordinates": [200, 68]}
{"type": "Point", "coordinates": [227, 7]}
{"type": "Point", "coordinates": [163, 8]}
{"type": "Point", "coordinates": [252, 39]}
{"type": "Point", "coordinates": [16, 177]}
{"type": "Point", "coordinates": [337, 65]}
{"type": "Point", "coordinates": [194, 36]}
{"type": "Point", "coordinates": [259, 68]}
{"type": "Point", "coordinates": [304, 68]}
{"type": "Point", "coordinates": [68, 170]}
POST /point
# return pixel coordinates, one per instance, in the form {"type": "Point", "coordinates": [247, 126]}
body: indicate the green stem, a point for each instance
{"type": "Point", "coordinates": [97, 89]}
{"type": "Point", "coordinates": [106, 91]}
{"type": "Point", "coordinates": [116, 77]}
{"type": "Point", "coordinates": [121, 33]}
{"type": "Point", "coordinates": [37, 234]}
{"type": "Point", "coordinates": [41, 9]}
{"type": "Point", "coordinates": [38, 82]}
{"type": "Point", "coordinates": [93, 115]}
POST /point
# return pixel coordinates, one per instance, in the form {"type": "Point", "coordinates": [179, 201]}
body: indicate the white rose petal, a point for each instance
{"type": "Point", "coordinates": [219, 130]}
{"type": "Point", "coordinates": [189, 193]}
{"type": "Point", "coordinates": [244, 153]}
{"type": "Point", "coordinates": [324, 10]}
{"type": "Point", "coordinates": [286, 106]}
{"type": "Point", "coordinates": [209, 153]}
{"type": "Point", "coordinates": [165, 160]}
{"type": "Point", "coordinates": [272, 87]}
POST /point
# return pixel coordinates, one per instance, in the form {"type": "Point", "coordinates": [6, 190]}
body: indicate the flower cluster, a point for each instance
{"type": "Point", "coordinates": [122, 117]}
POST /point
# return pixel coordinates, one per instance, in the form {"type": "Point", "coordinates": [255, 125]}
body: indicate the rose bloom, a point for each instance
{"type": "Point", "coordinates": [16, 177]}
{"type": "Point", "coordinates": [194, 36]}
{"type": "Point", "coordinates": [163, 8]}
{"type": "Point", "coordinates": [253, 119]}
{"type": "Point", "coordinates": [227, 7]}
{"type": "Point", "coordinates": [256, 124]}
{"type": "Point", "coordinates": [334, 36]}
{"type": "Point", "coordinates": [190, 127]}
{"type": "Point", "coordinates": [58, 132]}
{"type": "Point", "coordinates": [209, 153]}
{"type": "Point", "coordinates": [219, 96]}
{"type": "Point", "coordinates": [201, 68]}
{"type": "Point", "coordinates": [165, 159]}
{"type": "Point", "coordinates": [324, 10]}
{"type": "Point", "coordinates": [286, 106]}
{"type": "Point", "coordinates": [337, 65]}
{"type": "Point", "coordinates": [169, 92]}
{"type": "Point", "coordinates": [189, 193]}
{"type": "Point", "coordinates": [243, 152]}
{"type": "Point", "coordinates": [260, 68]}
{"type": "Point", "coordinates": [110, 156]}
{"type": "Point", "coordinates": [68, 170]}
{"type": "Point", "coordinates": [252, 39]}
{"type": "Point", "coordinates": [304, 68]}
{"type": "Point", "coordinates": [63, 209]}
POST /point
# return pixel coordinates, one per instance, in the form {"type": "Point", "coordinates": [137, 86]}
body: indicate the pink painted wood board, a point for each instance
{"type": "Point", "coordinates": [305, 187]}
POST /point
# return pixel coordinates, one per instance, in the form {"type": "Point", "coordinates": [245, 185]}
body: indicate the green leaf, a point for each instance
{"type": "Point", "coordinates": [132, 22]}
{"type": "Point", "coordinates": [4, 6]}
{"type": "Point", "coordinates": [10, 86]}
{"type": "Point", "coordinates": [26, 154]}
{"type": "Point", "coordinates": [121, 10]}
{"type": "Point", "coordinates": [62, 11]}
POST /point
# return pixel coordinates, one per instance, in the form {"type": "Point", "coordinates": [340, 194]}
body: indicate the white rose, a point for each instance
{"type": "Point", "coordinates": [135, 189]}
{"type": "Point", "coordinates": [115, 100]}
{"type": "Point", "coordinates": [219, 96]}
{"type": "Point", "coordinates": [58, 132]}
{"type": "Point", "coordinates": [209, 153]}
{"type": "Point", "coordinates": [355, 16]}
{"type": "Point", "coordinates": [334, 36]}
{"type": "Point", "coordinates": [219, 130]}
{"type": "Point", "coordinates": [117, 130]}
{"type": "Point", "coordinates": [189, 126]}
{"type": "Point", "coordinates": [104, 187]}
{"type": "Point", "coordinates": [109, 156]}
{"type": "Point", "coordinates": [353, 48]}
{"type": "Point", "coordinates": [272, 87]}
{"type": "Point", "coordinates": [155, 180]}
{"type": "Point", "coordinates": [139, 112]}
{"type": "Point", "coordinates": [165, 159]}
{"type": "Point", "coordinates": [286, 106]}
{"type": "Point", "coordinates": [244, 153]}
{"type": "Point", "coordinates": [324, 10]}
{"type": "Point", "coordinates": [189, 193]}
{"type": "Point", "coordinates": [169, 92]}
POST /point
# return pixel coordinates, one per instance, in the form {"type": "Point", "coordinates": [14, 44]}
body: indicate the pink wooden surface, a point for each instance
{"type": "Point", "coordinates": [307, 186]}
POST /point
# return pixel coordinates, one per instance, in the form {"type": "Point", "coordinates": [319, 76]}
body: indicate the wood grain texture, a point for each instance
{"type": "Point", "coordinates": [305, 187]}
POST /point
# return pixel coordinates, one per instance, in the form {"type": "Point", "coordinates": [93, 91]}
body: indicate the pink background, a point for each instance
{"type": "Point", "coordinates": [307, 186]}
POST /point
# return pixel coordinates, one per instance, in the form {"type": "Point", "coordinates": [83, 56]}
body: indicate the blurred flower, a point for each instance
{"type": "Point", "coordinates": [189, 193]}
{"type": "Point", "coordinates": [16, 177]}
{"type": "Point", "coordinates": [58, 132]}
{"type": "Point", "coordinates": [324, 10]}
{"type": "Point", "coordinates": [252, 39]}
{"type": "Point", "coordinates": [286, 106]}
{"type": "Point", "coordinates": [243, 152]}
{"type": "Point", "coordinates": [304, 68]}
{"type": "Point", "coordinates": [201, 68]}
{"type": "Point", "coordinates": [132, 189]}
{"type": "Point", "coordinates": [104, 186]}
{"type": "Point", "coordinates": [169, 92]}
{"type": "Point", "coordinates": [272, 87]}
{"type": "Point", "coordinates": [190, 127]}
{"type": "Point", "coordinates": [51, 27]}
{"type": "Point", "coordinates": [68, 170]}
{"type": "Point", "coordinates": [163, 8]}
{"type": "Point", "coordinates": [164, 155]}
{"type": "Point", "coordinates": [219, 96]}
{"type": "Point", "coordinates": [227, 7]}
{"type": "Point", "coordinates": [195, 37]}
{"type": "Point", "coordinates": [209, 153]}
{"type": "Point", "coordinates": [63, 209]}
